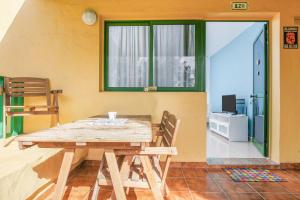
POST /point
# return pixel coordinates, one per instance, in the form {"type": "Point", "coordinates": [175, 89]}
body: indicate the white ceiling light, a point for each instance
{"type": "Point", "coordinates": [89, 17]}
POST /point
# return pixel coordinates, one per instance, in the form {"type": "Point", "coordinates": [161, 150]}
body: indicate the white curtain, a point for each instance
{"type": "Point", "coordinates": [174, 55]}
{"type": "Point", "coordinates": [128, 56]}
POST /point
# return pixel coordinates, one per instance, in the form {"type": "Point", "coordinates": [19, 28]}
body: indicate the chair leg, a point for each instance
{"type": "Point", "coordinates": [97, 186]}
{"type": "Point", "coordinates": [113, 196]}
{"type": "Point", "coordinates": [4, 123]}
{"type": "Point", "coordinates": [156, 190]}
{"type": "Point", "coordinates": [54, 120]}
{"type": "Point", "coordinates": [165, 190]}
{"type": "Point", "coordinates": [57, 119]}
{"type": "Point", "coordinates": [125, 170]}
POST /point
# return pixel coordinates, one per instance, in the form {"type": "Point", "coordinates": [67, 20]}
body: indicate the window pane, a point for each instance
{"type": "Point", "coordinates": [128, 56]}
{"type": "Point", "coordinates": [174, 55]}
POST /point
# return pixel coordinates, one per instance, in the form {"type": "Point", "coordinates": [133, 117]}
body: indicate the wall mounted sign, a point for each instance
{"type": "Point", "coordinates": [290, 37]}
{"type": "Point", "coordinates": [239, 6]}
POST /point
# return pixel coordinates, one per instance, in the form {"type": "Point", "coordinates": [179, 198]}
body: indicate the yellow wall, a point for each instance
{"type": "Point", "coordinates": [48, 39]}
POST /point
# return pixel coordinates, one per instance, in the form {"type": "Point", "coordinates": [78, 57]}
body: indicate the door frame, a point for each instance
{"type": "Point", "coordinates": [267, 89]}
{"type": "Point", "coordinates": [267, 78]}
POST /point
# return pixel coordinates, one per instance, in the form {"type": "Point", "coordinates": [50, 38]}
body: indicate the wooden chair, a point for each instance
{"type": "Point", "coordinates": [137, 176]}
{"type": "Point", "coordinates": [29, 87]}
{"type": "Point", "coordinates": [159, 127]}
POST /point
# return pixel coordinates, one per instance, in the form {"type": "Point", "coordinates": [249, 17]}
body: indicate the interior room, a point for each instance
{"type": "Point", "coordinates": [235, 55]}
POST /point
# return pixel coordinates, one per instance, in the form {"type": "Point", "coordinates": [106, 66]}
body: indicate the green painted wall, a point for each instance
{"type": "Point", "coordinates": [1, 108]}
{"type": "Point", "coordinates": [16, 123]}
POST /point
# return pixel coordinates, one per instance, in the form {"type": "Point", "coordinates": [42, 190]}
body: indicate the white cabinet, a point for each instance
{"type": "Point", "coordinates": [232, 127]}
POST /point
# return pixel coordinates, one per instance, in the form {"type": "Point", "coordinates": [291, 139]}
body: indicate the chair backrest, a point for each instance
{"type": "Point", "coordinates": [27, 87]}
{"type": "Point", "coordinates": [169, 135]}
{"type": "Point", "coordinates": [170, 131]}
{"type": "Point", "coordinates": [164, 120]}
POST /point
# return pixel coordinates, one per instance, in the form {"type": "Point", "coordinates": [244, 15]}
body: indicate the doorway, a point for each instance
{"type": "Point", "coordinates": [237, 88]}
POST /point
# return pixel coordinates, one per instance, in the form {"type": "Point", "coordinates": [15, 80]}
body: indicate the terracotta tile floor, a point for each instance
{"type": "Point", "coordinates": [193, 184]}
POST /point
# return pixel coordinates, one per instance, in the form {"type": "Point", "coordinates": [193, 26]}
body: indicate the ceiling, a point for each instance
{"type": "Point", "coordinates": [219, 34]}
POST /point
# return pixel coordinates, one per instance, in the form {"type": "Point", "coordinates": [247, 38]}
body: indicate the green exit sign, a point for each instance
{"type": "Point", "coordinates": [239, 6]}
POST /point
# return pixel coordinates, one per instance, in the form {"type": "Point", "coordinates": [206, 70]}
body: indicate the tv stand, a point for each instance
{"type": "Point", "coordinates": [231, 126]}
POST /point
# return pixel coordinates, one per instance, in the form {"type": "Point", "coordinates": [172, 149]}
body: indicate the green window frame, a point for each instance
{"type": "Point", "coordinates": [199, 55]}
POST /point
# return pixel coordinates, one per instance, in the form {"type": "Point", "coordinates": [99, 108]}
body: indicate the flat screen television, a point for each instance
{"type": "Point", "coordinates": [229, 103]}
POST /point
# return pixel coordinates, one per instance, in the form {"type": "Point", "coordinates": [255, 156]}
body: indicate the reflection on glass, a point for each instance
{"type": "Point", "coordinates": [174, 55]}
{"type": "Point", "coordinates": [128, 56]}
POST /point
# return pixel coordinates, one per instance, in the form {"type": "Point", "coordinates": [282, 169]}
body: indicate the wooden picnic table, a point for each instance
{"type": "Point", "coordinates": [126, 132]}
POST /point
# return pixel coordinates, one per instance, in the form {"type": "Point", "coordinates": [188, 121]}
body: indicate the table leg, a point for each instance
{"type": "Point", "coordinates": [115, 174]}
{"type": "Point", "coordinates": [63, 174]}
{"type": "Point", "coordinates": [97, 186]}
{"type": "Point", "coordinates": [148, 169]}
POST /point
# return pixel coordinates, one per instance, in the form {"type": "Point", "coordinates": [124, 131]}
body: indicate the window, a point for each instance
{"type": "Point", "coordinates": [168, 55]}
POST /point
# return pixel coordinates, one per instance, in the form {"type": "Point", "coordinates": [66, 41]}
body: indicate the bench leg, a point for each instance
{"type": "Point", "coordinates": [4, 120]}
{"type": "Point", "coordinates": [54, 120]}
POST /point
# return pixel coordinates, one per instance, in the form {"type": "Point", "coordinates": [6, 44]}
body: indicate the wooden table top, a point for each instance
{"type": "Point", "coordinates": [125, 129]}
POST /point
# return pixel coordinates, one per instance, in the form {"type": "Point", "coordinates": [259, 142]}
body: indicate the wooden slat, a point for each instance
{"type": "Point", "coordinates": [131, 183]}
{"type": "Point", "coordinates": [27, 94]}
{"type": "Point", "coordinates": [137, 117]}
{"type": "Point", "coordinates": [27, 90]}
{"type": "Point", "coordinates": [95, 130]}
{"type": "Point", "coordinates": [149, 151]}
{"type": "Point", "coordinates": [95, 145]}
{"type": "Point", "coordinates": [1, 90]}
{"type": "Point", "coordinates": [27, 85]}
{"type": "Point", "coordinates": [164, 120]}
{"type": "Point", "coordinates": [170, 127]}
{"type": "Point", "coordinates": [166, 143]}
{"type": "Point", "coordinates": [169, 130]}
{"type": "Point", "coordinates": [30, 107]}
{"type": "Point", "coordinates": [27, 113]}
{"type": "Point", "coordinates": [168, 136]}
{"type": "Point", "coordinates": [27, 79]}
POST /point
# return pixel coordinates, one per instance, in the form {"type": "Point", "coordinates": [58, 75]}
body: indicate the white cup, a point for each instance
{"type": "Point", "coordinates": [112, 115]}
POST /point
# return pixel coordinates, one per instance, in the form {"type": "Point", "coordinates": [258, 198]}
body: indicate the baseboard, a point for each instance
{"type": "Point", "coordinates": [290, 165]}
{"type": "Point", "coordinates": [96, 163]}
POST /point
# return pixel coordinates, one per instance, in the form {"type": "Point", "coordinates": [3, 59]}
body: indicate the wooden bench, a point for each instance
{"type": "Point", "coordinates": [29, 87]}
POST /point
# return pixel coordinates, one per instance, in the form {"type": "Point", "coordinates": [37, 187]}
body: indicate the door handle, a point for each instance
{"type": "Point", "coordinates": [150, 89]}
{"type": "Point", "coordinates": [253, 96]}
